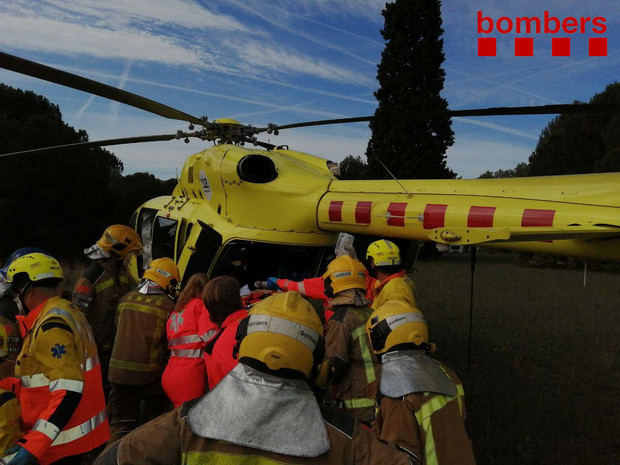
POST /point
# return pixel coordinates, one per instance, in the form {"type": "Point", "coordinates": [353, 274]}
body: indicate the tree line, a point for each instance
{"type": "Point", "coordinates": [575, 143]}
{"type": "Point", "coordinates": [61, 200]}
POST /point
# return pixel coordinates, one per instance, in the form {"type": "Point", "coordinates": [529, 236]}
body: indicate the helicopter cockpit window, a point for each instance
{"type": "Point", "coordinates": [256, 261]}
{"type": "Point", "coordinates": [164, 237]}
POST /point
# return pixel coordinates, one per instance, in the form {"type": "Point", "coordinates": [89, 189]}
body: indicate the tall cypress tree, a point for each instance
{"type": "Point", "coordinates": [407, 133]}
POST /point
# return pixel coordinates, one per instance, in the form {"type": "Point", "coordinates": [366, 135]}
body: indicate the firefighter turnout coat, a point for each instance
{"type": "Point", "coordinates": [191, 435]}
{"type": "Point", "coordinates": [97, 293]}
{"type": "Point", "coordinates": [140, 348]}
{"type": "Point", "coordinates": [356, 370]}
{"type": "Point", "coordinates": [430, 424]}
{"type": "Point", "coordinates": [398, 286]}
{"type": "Point", "coordinates": [61, 394]}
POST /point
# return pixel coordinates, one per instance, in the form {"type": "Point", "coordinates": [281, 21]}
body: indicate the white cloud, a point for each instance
{"type": "Point", "coordinates": [260, 55]}
{"type": "Point", "coordinates": [368, 9]}
{"type": "Point", "coordinates": [497, 127]}
{"type": "Point", "coordinates": [278, 16]}
{"type": "Point", "coordinates": [114, 13]}
{"type": "Point", "coordinates": [49, 35]}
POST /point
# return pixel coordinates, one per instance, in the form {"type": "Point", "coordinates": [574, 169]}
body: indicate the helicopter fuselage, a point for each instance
{"type": "Point", "coordinates": [229, 195]}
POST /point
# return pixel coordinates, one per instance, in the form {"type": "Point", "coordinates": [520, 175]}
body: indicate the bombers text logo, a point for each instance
{"type": "Point", "coordinates": [545, 25]}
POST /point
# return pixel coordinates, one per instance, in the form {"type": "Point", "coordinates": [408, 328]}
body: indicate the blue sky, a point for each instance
{"type": "Point", "coordinates": [281, 61]}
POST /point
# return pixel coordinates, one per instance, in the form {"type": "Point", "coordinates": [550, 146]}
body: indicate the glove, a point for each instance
{"type": "Point", "coordinates": [21, 457]}
{"type": "Point", "coordinates": [272, 284]}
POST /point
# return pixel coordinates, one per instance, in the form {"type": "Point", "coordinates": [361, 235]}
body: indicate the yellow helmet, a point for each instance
{"type": "Point", "coordinates": [383, 253]}
{"type": "Point", "coordinates": [117, 241]}
{"type": "Point", "coordinates": [33, 268]}
{"type": "Point", "coordinates": [9, 339]}
{"type": "Point", "coordinates": [282, 334]}
{"type": "Point", "coordinates": [396, 323]}
{"type": "Point", "coordinates": [164, 273]}
{"type": "Point", "coordinates": [345, 272]}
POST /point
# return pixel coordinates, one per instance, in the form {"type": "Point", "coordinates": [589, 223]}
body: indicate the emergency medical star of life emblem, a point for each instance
{"type": "Point", "coordinates": [176, 321]}
{"type": "Point", "coordinates": [58, 350]}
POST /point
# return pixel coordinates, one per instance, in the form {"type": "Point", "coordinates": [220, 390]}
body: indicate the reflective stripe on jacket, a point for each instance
{"type": "Point", "coordinates": [395, 287]}
{"type": "Point", "coordinates": [346, 343]}
{"type": "Point", "coordinates": [140, 348]}
{"type": "Point", "coordinates": [185, 377]}
{"type": "Point", "coordinates": [432, 425]}
{"type": "Point", "coordinates": [61, 394]}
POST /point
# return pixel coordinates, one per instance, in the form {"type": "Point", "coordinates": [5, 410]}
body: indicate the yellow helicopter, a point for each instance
{"type": "Point", "coordinates": [271, 211]}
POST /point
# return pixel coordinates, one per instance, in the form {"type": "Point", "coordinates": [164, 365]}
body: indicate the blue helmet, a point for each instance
{"type": "Point", "coordinates": [15, 255]}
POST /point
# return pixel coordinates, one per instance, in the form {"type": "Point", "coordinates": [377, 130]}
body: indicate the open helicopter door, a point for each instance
{"type": "Point", "coordinates": [197, 248]}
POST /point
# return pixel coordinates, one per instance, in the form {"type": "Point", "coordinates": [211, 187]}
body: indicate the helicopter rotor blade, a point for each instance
{"type": "Point", "coordinates": [101, 143]}
{"type": "Point", "coordinates": [531, 110]}
{"type": "Point", "coordinates": [48, 73]}
{"type": "Point", "coordinates": [492, 111]}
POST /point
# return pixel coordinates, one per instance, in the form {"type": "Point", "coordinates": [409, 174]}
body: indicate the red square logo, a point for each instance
{"type": "Point", "coordinates": [597, 46]}
{"type": "Point", "coordinates": [560, 46]}
{"type": "Point", "coordinates": [524, 46]}
{"type": "Point", "coordinates": [487, 47]}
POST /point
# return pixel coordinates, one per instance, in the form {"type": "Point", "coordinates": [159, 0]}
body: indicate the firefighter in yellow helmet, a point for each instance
{"type": "Point", "coordinates": [354, 369]}
{"type": "Point", "coordinates": [384, 262]}
{"type": "Point", "coordinates": [61, 396]}
{"type": "Point", "coordinates": [100, 287]}
{"type": "Point", "coordinates": [264, 410]}
{"type": "Point", "coordinates": [420, 404]}
{"type": "Point", "coordinates": [140, 350]}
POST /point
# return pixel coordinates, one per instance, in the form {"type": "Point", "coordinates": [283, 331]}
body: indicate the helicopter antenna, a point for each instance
{"type": "Point", "coordinates": [390, 173]}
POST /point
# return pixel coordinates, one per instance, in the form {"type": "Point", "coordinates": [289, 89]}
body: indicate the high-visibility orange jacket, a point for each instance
{"type": "Point", "coordinates": [10, 420]}
{"type": "Point", "coordinates": [185, 376]}
{"type": "Point", "coordinates": [395, 287]}
{"type": "Point", "coordinates": [140, 349]}
{"type": "Point", "coordinates": [61, 394]}
{"type": "Point", "coordinates": [219, 356]}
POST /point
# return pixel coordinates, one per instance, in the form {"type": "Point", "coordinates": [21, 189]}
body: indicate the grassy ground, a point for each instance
{"type": "Point", "coordinates": [545, 373]}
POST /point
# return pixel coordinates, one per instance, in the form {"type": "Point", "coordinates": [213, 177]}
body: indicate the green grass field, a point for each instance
{"type": "Point", "coordinates": [545, 373]}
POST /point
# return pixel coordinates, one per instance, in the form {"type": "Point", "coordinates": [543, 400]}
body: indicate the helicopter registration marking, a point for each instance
{"type": "Point", "coordinates": [362, 212]}
{"type": "Point", "coordinates": [535, 217]}
{"type": "Point", "coordinates": [435, 215]}
{"type": "Point", "coordinates": [396, 213]}
{"type": "Point", "coordinates": [206, 187]}
{"type": "Point", "coordinates": [335, 210]}
{"type": "Point", "coordinates": [480, 217]}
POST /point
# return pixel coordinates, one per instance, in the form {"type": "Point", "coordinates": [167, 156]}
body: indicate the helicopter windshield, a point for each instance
{"type": "Point", "coordinates": [250, 261]}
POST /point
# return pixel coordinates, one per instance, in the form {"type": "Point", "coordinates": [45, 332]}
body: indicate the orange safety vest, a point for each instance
{"type": "Point", "coordinates": [219, 356]}
{"type": "Point", "coordinates": [184, 378]}
{"type": "Point", "coordinates": [46, 382]}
